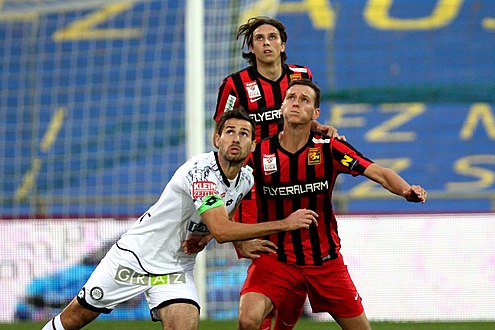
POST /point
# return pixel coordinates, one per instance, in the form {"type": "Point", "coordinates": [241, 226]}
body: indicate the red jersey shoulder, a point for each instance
{"type": "Point", "coordinates": [299, 72]}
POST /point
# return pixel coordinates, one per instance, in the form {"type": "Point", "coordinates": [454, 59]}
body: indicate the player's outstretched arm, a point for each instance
{"type": "Point", "coordinates": [250, 248]}
{"type": "Point", "coordinates": [395, 183]}
{"type": "Point", "coordinates": [224, 230]}
{"type": "Point", "coordinates": [253, 247]}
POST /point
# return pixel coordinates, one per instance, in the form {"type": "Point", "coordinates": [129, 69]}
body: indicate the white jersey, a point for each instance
{"type": "Point", "coordinates": [153, 243]}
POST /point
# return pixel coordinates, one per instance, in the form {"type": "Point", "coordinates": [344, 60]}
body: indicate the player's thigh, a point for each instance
{"type": "Point", "coordinates": [179, 290]}
{"type": "Point", "coordinates": [180, 316]}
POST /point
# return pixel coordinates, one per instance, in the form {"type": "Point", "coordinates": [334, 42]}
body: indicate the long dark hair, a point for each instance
{"type": "Point", "coordinates": [252, 24]}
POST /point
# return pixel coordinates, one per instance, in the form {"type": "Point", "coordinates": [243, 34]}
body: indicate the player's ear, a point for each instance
{"type": "Point", "coordinates": [316, 113]}
{"type": "Point", "coordinates": [216, 138]}
{"type": "Point", "coordinates": [253, 146]}
{"type": "Point", "coordinates": [282, 48]}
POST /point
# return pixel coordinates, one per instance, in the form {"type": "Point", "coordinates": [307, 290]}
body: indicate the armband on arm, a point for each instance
{"type": "Point", "coordinates": [210, 202]}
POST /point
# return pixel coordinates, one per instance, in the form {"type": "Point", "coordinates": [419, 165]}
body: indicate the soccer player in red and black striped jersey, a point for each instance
{"type": "Point", "coordinates": [260, 90]}
{"type": "Point", "coordinates": [297, 169]}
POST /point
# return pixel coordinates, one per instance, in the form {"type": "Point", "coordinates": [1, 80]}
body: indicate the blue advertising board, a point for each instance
{"type": "Point", "coordinates": [93, 107]}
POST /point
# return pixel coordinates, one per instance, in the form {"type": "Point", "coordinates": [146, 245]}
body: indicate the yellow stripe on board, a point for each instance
{"type": "Point", "coordinates": [53, 129]}
{"type": "Point", "coordinates": [49, 138]}
{"type": "Point", "coordinates": [84, 28]}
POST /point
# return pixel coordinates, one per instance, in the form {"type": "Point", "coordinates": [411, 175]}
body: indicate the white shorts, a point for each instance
{"type": "Point", "coordinates": [114, 281]}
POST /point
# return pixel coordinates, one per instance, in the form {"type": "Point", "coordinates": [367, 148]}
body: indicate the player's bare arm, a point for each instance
{"type": "Point", "coordinates": [224, 230]}
{"type": "Point", "coordinates": [248, 249]}
{"type": "Point", "coordinates": [326, 129]}
{"type": "Point", "coordinates": [395, 183]}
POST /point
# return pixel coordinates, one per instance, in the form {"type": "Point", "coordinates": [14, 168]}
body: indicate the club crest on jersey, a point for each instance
{"type": "Point", "coordinates": [203, 189]}
{"type": "Point", "coordinates": [253, 91]}
{"type": "Point", "coordinates": [314, 156]}
{"type": "Point", "coordinates": [96, 293]}
{"type": "Point", "coordinates": [295, 76]}
{"type": "Point", "coordinates": [269, 164]}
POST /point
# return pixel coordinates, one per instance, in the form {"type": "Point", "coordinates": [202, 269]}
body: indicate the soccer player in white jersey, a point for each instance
{"type": "Point", "coordinates": [152, 256]}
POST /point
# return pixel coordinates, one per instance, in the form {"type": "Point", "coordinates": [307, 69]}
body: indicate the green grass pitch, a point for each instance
{"type": "Point", "coordinates": [303, 324]}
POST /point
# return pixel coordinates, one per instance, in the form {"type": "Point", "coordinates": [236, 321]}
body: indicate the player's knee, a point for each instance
{"type": "Point", "coordinates": [248, 320]}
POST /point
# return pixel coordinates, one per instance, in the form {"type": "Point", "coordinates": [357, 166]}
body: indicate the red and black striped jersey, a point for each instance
{"type": "Point", "coordinates": [259, 96]}
{"type": "Point", "coordinates": [286, 182]}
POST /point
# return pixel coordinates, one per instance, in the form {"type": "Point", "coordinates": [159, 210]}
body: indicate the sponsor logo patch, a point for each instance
{"type": "Point", "coordinates": [203, 189]}
{"type": "Point", "coordinates": [198, 227]}
{"type": "Point", "coordinates": [127, 275]}
{"type": "Point", "coordinates": [230, 103]}
{"type": "Point", "coordinates": [266, 116]}
{"type": "Point", "coordinates": [348, 161]}
{"type": "Point", "coordinates": [297, 189]}
{"type": "Point", "coordinates": [314, 156]}
{"type": "Point", "coordinates": [82, 293]}
{"type": "Point", "coordinates": [253, 91]}
{"type": "Point", "coordinates": [269, 164]}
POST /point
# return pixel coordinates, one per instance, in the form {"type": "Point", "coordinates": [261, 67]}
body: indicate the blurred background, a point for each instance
{"type": "Point", "coordinates": [92, 126]}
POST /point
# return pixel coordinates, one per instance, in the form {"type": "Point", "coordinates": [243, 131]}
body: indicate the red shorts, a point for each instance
{"type": "Point", "coordinates": [329, 287]}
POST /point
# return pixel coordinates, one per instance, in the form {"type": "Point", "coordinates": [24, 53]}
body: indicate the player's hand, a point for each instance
{"type": "Point", "coordinates": [327, 130]}
{"type": "Point", "coordinates": [302, 218]}
{"type": "Point", "coordinates": [416, 194]}
{"type": "Point", "coordinates": [195, 243]}
{"type": "Point", "coordinates": [251, 248]}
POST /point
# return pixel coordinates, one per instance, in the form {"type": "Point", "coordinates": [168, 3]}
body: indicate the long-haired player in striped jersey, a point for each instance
{"type": "Point", "coordinates": [260, 89]}
{"type": "Point", "coordinates": [297, 168]}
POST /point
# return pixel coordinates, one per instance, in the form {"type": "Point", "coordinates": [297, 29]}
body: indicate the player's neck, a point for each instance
{"type": "Point", "coordinates": [230, 169]}
{"type": "Point", "coordinates": [271, 71]}
{"type": "Point", "coordinates": [294, 137]}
